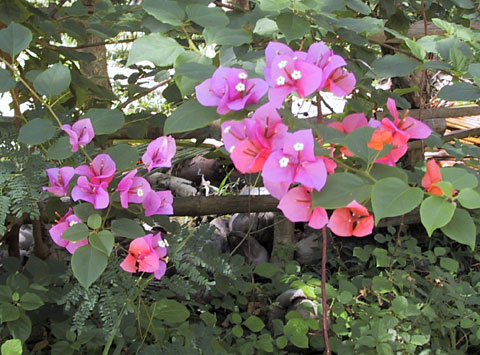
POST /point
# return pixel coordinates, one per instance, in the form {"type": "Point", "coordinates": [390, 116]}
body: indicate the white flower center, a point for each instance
{"type": "Point", "coordinates": [72, 223]}
{"type": "Point", "coordinates": [140, 192]}
{"type": "Point", "coordinates": [282, 64]}
{"type": "Point", "coordinates": [232, 148]}
{"type": "Point", "coordinates": [162, 244]}
{"type": "Point", "coordinates": [297, 74]}
{"type": "Point", "coordinates": [295, 58]}
{"type": "Point", "coordinates": [284, 162]}
{"type": "Point", "coordinates": [298, 146]}
{"type": "Point", "coordinates": [280, 80]}
{"type": "Point", "coordinates": [227, 129]}
{"type": "Point", "coordinates": [242, 75]}
{"type": "Point", "coordinates": [240, 87]}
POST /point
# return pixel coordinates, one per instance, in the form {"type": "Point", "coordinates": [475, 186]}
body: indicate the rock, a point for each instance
{"type": "Point", "coordinates": [308, 250]}
{"type": "Point", "coordinates": [250, 248]}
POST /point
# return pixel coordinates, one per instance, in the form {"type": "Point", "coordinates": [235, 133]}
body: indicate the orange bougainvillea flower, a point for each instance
{"type": "Point", "coordinates": [432, 177]}
{"type": "Point", "coordinates": [352, 220]}
{"type": "Point", "coordinates": [379, 138]}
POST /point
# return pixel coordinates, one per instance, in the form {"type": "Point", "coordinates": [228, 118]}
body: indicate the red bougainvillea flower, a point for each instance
{"type": "Point", "coordinates": [230, 89]}
{"type": "Point", "coordinates": [159, 153]}
{"type": "Point", "coordinates": [351, 220]}
{"type": "Point", "coordinates": [65, 222]}
{"type": "Point", "coordinates": [59, 180]}
{"type": "Point", "coordinates": [432, 176]}
{"type": "Point", "coordinates": [133, 189]}
{"type": "Point", "coordinates": [80, 133]}
{"type": "Point", "coordinates": [296, 205]}
{"type": "Point", "coordinates": [379, 138]}
{"type": "Point", "coordinates": [101, 169]}
{"type": "Point", "coordinates": [158, 202]}
{"type": "Point", "coordinates": [91, 192]}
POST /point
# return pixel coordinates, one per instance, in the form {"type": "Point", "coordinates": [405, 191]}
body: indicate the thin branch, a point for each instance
{"type": "Point", "coordinates": [58, 7]}
{"type": "Point", "coordinates": [324, 292]}
{"type": "Point", "coordinates": [88, 45]}
{"type": "Point", "coordinates": [145, 93]}
{"type": "Point", "coordinates": [399, 50]}
{"type": "Point", "coordinates": [230, 7]}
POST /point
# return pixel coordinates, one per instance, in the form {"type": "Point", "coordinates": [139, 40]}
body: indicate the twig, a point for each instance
{"type": "Point", "coordinates": [324, 292]}
{"type": "Point", "coordinates": [88, 45]}
{"type": "Point", "coordinates": [230, 7]}
{"type": "Point", "coordinates": [399, 50]}
{"type": "Point", "coordinates": [55, 10]}
{"type": "Point", "coordinates": [319, 109]}
{"type": "Point", "coordinates": [398, 242]}
{"type": "Point", "coordinates": [145, 93]}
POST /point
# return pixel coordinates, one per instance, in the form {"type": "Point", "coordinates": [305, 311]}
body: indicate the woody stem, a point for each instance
{"type": "Point", "coordinates": [324, 293]}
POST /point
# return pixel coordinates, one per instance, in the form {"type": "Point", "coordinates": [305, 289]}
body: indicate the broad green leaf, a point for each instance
{"type": "Point", "coordinates": [190, 116]}
{"type": "Point", "coordinates": [190, 70]}
{"type": "Point", "coordinates": [469, 198]}
{"type": "Point", "coordinates": [8, 312]}
{"type": "Point", "coordinates": [340, 190]}
{"type": "Point", "coordinates": [267, 270]}
{"type": "Point", "coordinates": [254, 323]}
{"type": "Point", "coordinates": [274, 5]}
{"type": "Point", "coordinates": [88, 264]}
{"type": "Point", "coordinates": [207, 16]}
{"type": "Point", "coordinates": [358, 6]}
{"type": "Point", "coordinates": [444, 46]}
{"type": "Point", "coordinates": [53, 81]}
{"type": "Point", "coordinates": [381, 171]}
{"type": "Point", "coordinates": [436, 212]}
{"type": "Point", "coordinates": [170, 311]}
{"type": "Point", "coordinates": [282, 341]}
{"type": "Point", "coordinates": [460, 178]}
{"type": "Point", "coordinates": [156, 48]}
{"type": "Point", "coordinates": [60, 150]}
{"type": "Point", "coordinates": [458, 59]}
{"type": "Point", "coordinates": [265, 27]}
{"type": "Point", "coordinates": [459, 92]}
{"type": "Point", "coordinates": [465, 4]}
{"type": "Point", "coordinates": [292, 26]}
{"type": "Point", "coordinates": [384, 349]}
{"type": "Point", "coordinates": [83, 211]}
{"type": "Point", "coordinates": [461, 228]}
{"type": "Point", "coordinates": [94, 221]}
{"type": "Point", "coordinates": [76, 232]}
{"type": "Point", "coordinates": [36, 131]}
{"type": "Point", "coordinates": [104, 120]}
{"type": "Point", "coordinates": [12, 347]}
{"type": "Point", "coordinates": [227, 36]}
{"type": "Point", "coordinates": [474, 69]}
{"type": "Point", "coordinates": [196, 71]}
{"type": "Point", "coordinates": [165, 11]}
{"type": "Point", "coordinates": [15, 38]}
{"type": "Point", "coordinates": [417, 50]}
{"type": "Point", "coordinates": [299, 340]}
{"type": "Point", "coordinates": [381, 284]}
{"type": "Point", "coordinates": [124, 155]}
{"type": "Point", "coordinates": [6, 81]}
{"type": "Point", "coordinates": [357, 142]}
{"type": "Point", "coordinates": [30, 301]}
{"type": "Point", "coordinates": [392, 197]}
{"type": "Point", "coordinates": [419, 339]}
{"type": "Point", "coordinates": [394, 65]}
{"type": "Point", "coordinates": [20, 328]}
{"type": "Point", "coordinates": [128, 228]}
{"type": "Point", "coordinates": [449, 264]}
{"type": "Point", "coordinates": [237, 330]}
{"type": "Point", "coordinates": [367, 25]}
{"type": "Point", "coordinates": [103, 241]}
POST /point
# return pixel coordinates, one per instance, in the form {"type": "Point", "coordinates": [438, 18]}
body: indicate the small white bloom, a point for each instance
{"type": "Point", "coordinates": [231, 149]}
{"type": "Point", "coordinates": [242, 75]}
{"type": "Point", "coordinates": [282, 64]}
{"type": "Point", "coordinates": [140, 192]}
{"type": "Point", "coordinates": [297, 74]}
{"type": "Point", "coordinates": [295, 58]}
{"type": "Point", "coordinates": [72, 223]}
{"type": "Point", "coordinates": [162, 244]}
{"type": "Point", "coordinates": [280, 80]}
{"type": "Point", "coordinates": [284, 162]}
{"type": "Point", "coordinates": [227, 129]}
{"type": "Point", "coordinates": [240, 87]}
{"type": "Point", "coordinates": [298, 146]}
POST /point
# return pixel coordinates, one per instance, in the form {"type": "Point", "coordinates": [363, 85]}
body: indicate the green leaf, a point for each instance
{"type": "Point", "coordinates": [367, 25]}
{"type": "Point", "coordinates": [299, 340]}
{"type": "Point", "coordinates": [196, 71]}
{"type": "Point", "coordinates": [460, 178]}
{"type": "Point", "coordinates": [340, 190]}
{"type": "Point", "coordinates": [384, 349]}
{"type": "Point", "coordinates": [358, 6]}
{"type": "Point", "coordinates": [128, 228]}
{"type": "Point", "coordinates": [459, 92]}
{"type": "Point", "coordinates": [170, 311]}
{"type": "Point", "coordinates": [381, 284]}
{"type": "Point", "coordinates": [124, 155]}
{"type": "Point", "coordinates": [103, 241]}
{"type": "Point", "coordinates": [394, 65]}
{"type": "Point", "coordinates": [36, 131]}
{"type": "Point", "coordinates": [274, 5]}
{"type": "Point", "coordinates": [53, 81]}
{"type": "Point", "coordinates": [9, 312]}
{"type": "Point", "coordinates": [12, 347]}
{"type": "Point", "coordinates": [156, 48]}
{"type": "Point", "coordinates": [190, 69]}
{"type": "Point", "coordinates": [392, 197]}
{"type": "Point", "coordinates": [449, 264]}
{"type": "Point", "coordinates": [226, 36]}
{"type": "Point", "coordinates": [237, 330]}
{"type": "Point", "coordinates": [381, 171]}
{"type": "Point", "coordinates": [60, 150]}
{"type": "Point", "coordinates": [94, 221]}
{"type": "Point", "coordinates": [400, 305]}
{"type": "Point", "coordinates": [20, 328]}
{"type": "Point", "coordinates": [165, 11]}
{"type": "Point", "coordinates": [267, 270]}
{"type": "Point", "coordinates": [83, 211]}
{"type": "Point", "coordinates": [6, 81]}
{"type": "Point", "coordinates": [104, 120]}
{"type": "Point", "coordinates": [469, 198]}
{"type": "Point", "coordinates": [88, 264]}
{"type": "Point", "coordinates": [417, 50]}
{"type": "Point", "coordinates": [76, 232]}
{"type": "Point", "coordinates": [357, 142]}
{"type": "Point", "coordinates": [207, 16]}
{"type": "Point", "coordinates": [419, 339]}
{"type": "Point", "coordinates": [436, 212]}
{"type": "Point", "coordinates": [292, 26]}
{"type": "Point", "coordinates": [15, 38]}
{"type": "Point", "coordinates": [254, 323]}
{"type": "Point", "coordinates": [209, 319]}
{"type": "Point", "coordinates": [265, 27]}
{"type": "Point", "coordinates": [281, 341]}
{"type": "Point", "coordinates": [30, 301]}
{"type": "Point", "coordinates": [190, 116]}
{"type": "Point", "coordinates": [464, 4]}
{"type": "Point", "coordinates": [461, 228]}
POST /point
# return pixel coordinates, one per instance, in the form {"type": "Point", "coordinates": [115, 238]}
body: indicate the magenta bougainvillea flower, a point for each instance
{"type": "Point", "coordinates": [158, 202]}
{"type": "Point", "coordinates": [101, 169]}
{"type": "Point", "coordinates": [159, 153]}
{"type": "Point", "coordinates": [353, 220]}
{"type": "Point", "coordinates": [80, 133]}
{"type": "Point", "coordinates": [59, 180]}
{"type": "Point", "coordinates": [296, 205]}
{"type": "Point", "coordinates": [65, 222]}
{"type": "Point", "coordinates": [147, 254]}
{"type": "Point", "coordinates": [230, 89]}
{"type": "Point", "coordinates": [94, 193]}
{"type": "Point", "coordinates": [133, 189]}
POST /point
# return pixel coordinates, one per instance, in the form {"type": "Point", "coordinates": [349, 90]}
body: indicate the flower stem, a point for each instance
{"type": "Point", "coordinates": [324, 293]}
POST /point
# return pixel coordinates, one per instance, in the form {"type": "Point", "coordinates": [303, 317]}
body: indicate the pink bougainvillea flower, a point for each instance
{"type": "Point", "coordinates": [431, 177]}
{"type": "Point", "coordinates": [158, 202]}
{"type": "Point", "coordinates": [341, 82]}
{"type": "Point", "coordinates": [296, 162]}
{"type": "Point", "coordinates": [233, 132]}
{"type": "Point", "coordinates": [65, 222]}
{"type": "Point", "coordinates": [80, 133]}
{"type": "Point", "coordinates": [91, 192]}
{"type": "Point", "coordinates": [101, 169]}
{"type": "Point", "coordinates": [263, 133]}
{"type": "Point", "coordinates": [296, 205]}
{"type": "Point", "coordinates": [350, 123]}
{"type": "Point", "coordinates": [351, 220]}
{"type": "Point", "coordinates": [379, 138]}
{"type": "Point", "coordinates": [275, 49]}
{"type": "Point", "coordinates": [133, 189]}
{"type": "Point", "coordinates": [160, 247]}
{"type": "Point", "coordinates": [159, 153]}
{"type": "Point", "coordinates": [59, 180]}
{"type": "Point", "coordinates": [230, 89]}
